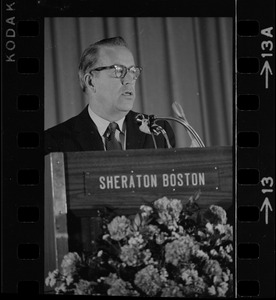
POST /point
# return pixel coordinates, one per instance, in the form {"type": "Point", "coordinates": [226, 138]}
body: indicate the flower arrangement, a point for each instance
{"type": "Point", "coordinates": [168, 249]}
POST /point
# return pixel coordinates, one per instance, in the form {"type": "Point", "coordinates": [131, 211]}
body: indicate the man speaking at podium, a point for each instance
{"type": "Point", "coordinates": [107, 74]}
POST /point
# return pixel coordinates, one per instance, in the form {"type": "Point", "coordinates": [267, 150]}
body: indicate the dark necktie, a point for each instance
{"type": "Point", "coordinates": [111, 142]}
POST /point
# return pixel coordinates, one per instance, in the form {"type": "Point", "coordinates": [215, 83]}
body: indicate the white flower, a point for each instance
{"type": "Point", "coordinates": [136, 241]}
{"type": "Point", "coordinates": [163, 275]}
{"type": "Point", "coordinates": [119, 228]}
{"type": "Point", "coordinates": [229, 248]}
{"type": "Point", "coordinates": [160, 251]}
{"type": "Point", "coordinates": [225, 277]}
{"type": "Point", "coordinates": [51, 279]}
{"type": "Point", "coordinates": [169, 211]}
{"type": "Point", "coordinates": [200, 233]}
{"type": "Point", "coordinates": [146, 209]}
{"type": "Point", "coordinates": [213, 252]}
{"type": "Point", "coordinates": [144, 215]}
{"type": "Point", "coordinates": [69, 279]}
{"type": "Point", "coordinates": [209, 228]}
{"type": "Point", "coordinates": [222, 289]}
{"type": "Point", "coordinates": [70, 263]}
{"type": "Point", "coordinates": [202, 254]}
{"type": "Point", "coordinates": [212, 290]}
{"type": "Point", "coordinates": [160, 238]}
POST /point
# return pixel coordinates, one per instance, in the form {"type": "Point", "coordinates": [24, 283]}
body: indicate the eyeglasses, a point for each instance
{"type": "Point", "coordinates": [121, 71]}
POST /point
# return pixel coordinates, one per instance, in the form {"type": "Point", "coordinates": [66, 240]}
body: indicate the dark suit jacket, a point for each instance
{"type": "Point", "coordinates": [80, 134]}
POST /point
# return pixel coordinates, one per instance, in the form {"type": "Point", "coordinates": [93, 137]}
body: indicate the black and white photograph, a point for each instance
{"type": "Point", "coordinates": [138, 145]}
{"type": "Point", "coordinates": [183, 60]}
{"type": "Point", "coordinates": [138, 148]}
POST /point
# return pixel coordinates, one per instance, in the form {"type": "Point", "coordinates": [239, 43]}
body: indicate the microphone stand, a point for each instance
{"type": "Point", "coordinates": [153, 139]}
{"type": "Point", "coordinates": [186, 125]}
{"type": "Point", "coordinates": [149, 126]}
{"type": "Point", "coordinates": [155, 129]}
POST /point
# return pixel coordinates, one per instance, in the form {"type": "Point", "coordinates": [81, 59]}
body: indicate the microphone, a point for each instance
{"type": "Point", "coordinates": [157, 129]}
{"type": "Point", "coordinates": [178, 110]}
{"type": "Point", "coordinates": [149, 126]}
{"type": "Point", "coordinates": [144, 127]}
{"type": "Point", "coordinates": [196, 141]}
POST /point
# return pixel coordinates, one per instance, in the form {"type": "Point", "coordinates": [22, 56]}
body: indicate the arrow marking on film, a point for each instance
{"type": "Point", "coordinates": [266, 69]}
{"type": "Point", "coordinates": [266, 205]}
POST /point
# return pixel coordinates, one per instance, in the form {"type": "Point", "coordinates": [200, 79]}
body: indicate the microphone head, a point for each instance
{"type": "Point", "coordinates": [139, 118]}
{"type": "Point", "coordinates": [144, 127]}
{"type": "Point", "coordinates": [178, 110]}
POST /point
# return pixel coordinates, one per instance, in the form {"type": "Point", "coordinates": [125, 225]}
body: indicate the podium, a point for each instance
{"type": "Point", "coordinates": [79, 184]}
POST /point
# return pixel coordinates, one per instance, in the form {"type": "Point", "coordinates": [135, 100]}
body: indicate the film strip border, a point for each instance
{"type": "Point", "coordinates": [22, 202]}
{"type": "Point", "coordinates": [255, 150]}
{"type": "Point", "coordinates": [23, 161]}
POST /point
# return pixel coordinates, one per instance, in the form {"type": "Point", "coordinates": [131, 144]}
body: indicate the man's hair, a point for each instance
{"type": "Point", "coordinates": [90, 56]}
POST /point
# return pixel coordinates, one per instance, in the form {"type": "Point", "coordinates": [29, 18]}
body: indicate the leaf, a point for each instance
{"type": "Point", "coordinates": [197, 195]}
{"type": "Point", "coordinates": [137, 221]}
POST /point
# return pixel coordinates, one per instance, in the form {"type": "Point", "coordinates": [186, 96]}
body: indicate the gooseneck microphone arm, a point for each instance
{"type": "Point", "coordinates": [181, 118]}
{"type": "Point", "coordinates": [149, 126]}
{"type": "Point", "coordinates": [178, 110]}
{"type": "Point", "coordinates": [187, 126]}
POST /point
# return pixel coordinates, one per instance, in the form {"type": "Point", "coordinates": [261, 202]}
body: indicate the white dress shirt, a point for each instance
{"type": "Point", "coordinates": [102, 125]}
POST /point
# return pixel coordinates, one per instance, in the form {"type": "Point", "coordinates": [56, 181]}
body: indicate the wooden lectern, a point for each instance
{"type": "Point", "coordinates": [79, 184]}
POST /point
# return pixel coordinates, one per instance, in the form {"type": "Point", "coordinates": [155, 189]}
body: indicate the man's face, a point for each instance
{"type": "Point", "coordinates": [113, 97]}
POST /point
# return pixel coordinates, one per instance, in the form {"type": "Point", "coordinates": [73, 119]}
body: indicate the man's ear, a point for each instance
{"type": "Point", "coordinates": [89, 80]}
